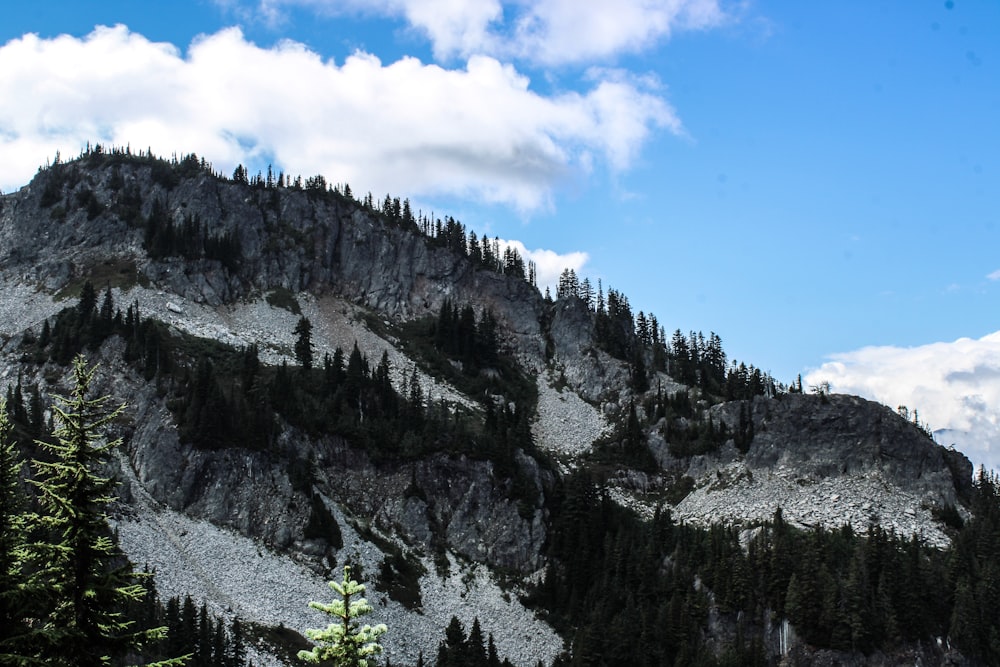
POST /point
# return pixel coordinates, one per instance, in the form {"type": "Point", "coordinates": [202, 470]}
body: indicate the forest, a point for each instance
{"type": "Point", "coordinates": [612, 574]}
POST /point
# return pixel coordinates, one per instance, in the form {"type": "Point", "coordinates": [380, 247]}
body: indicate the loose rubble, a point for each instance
{"type": "Point", "coordinates": [736, 494]}
{"type": "Point", "coordinates": [237, 576]}
{"type": "Point", "coordinates": [565, 425]}
{"type": "Point", "coordinates": [22, 306]}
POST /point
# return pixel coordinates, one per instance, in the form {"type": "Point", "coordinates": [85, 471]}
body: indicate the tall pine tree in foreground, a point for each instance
{"type": "Point", "coordinates": [13, 603]}
{"type": "Point", "coordinates": [83, 580]}
{"type": "Point", "coordinates": [344, 642]}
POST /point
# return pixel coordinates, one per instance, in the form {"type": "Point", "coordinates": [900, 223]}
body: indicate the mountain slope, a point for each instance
{"type": "Point", "coordinates": [455, 466]}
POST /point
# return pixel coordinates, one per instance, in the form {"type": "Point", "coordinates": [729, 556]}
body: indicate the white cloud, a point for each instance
{"type": "Point", "coordinates": [550, 32]}
{"type": "Point", "coordinates": [407, 127]}
{"type": "Point", "coordinates": [548, 263]}
{"type": "Point", "coordinates": [455, 27]}
{"type": "Point", "coordinates": [955, 386]}
{"type": "Point", "coordinates": [562, 31]}
{"type": "Point", "coordinates": [994, 276]}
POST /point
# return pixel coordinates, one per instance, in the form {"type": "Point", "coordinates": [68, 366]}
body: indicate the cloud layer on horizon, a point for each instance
{"type": "Point", "coordinates": [954, 385]}
{"type": "Point", "coordinates": [406, 127]}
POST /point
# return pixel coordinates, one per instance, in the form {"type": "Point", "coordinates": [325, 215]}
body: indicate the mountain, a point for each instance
{"type": "Point", "coordinates": [457, 436]}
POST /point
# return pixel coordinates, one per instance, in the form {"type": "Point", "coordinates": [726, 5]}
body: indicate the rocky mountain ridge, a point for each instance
{"type": "Point", "coordinates": [824, 460]}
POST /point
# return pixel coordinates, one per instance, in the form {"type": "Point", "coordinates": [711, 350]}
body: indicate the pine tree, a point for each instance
{"type": "Point", "coordinates": [219, 645]}
{"type": "Point", "coordinates": [303, 343]}
{"type": "Point", "coordinates": [237, 652]}
{"type": "Point", "coordinates": [452, 651]}
{"type": "Point", "coordinates": [88, 301]}
{"type": "Point", "coordinates": [203, 654]}
{"type": "Point", "coordinates": [13, 610]}
{"type": "Point", "coordinates": [475, 646]}
{"type": "Point", "coordinates": [107, 311]}
{"type": "Point", "coordinates": [492, 656]}
{"type": "Point", "coordinates": [71, 552]}
{"type": "Point", "coordinates": [344, 642]}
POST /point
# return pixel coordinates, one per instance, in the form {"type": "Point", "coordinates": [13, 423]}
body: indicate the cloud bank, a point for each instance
{"type": "Point", "coordinates": [545, 32]}
{"type": "Point", "coordinates": [955, 386]}
{"type": "Point", "coordinates": [407, 127]}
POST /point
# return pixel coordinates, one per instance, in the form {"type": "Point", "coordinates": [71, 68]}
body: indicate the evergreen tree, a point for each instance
{"type": "Point", "coordinates": [236, 654]}
{"type": "Point", "coordinates": [344, 642]}
{"type": "Point", "coordinates": [355, 376]}
{"type": "Point", "coordinates": [203, 652]}
{"type": "Point", "coordinates": [71, 552]}
{"type": "Point", "coordinates": [303, 343]}
{"type": "Point", "coordinates": [492, 656]}
{"type": "Point", "coordinates": [13, 611]}
{"type": "Point", "coordinates": [88, 301]}
{"type": "Point", "coordinates": [475, 646]}
{"type": "Point", "coordinates": [219, 645]}
{"type": "Point", "coordinates": [174, 622]}
{"type": "Point", "coordinates": [452, 651]}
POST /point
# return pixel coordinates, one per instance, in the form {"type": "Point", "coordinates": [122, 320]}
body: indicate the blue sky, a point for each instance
{"type": "Point", "coordinates": [818, 183]}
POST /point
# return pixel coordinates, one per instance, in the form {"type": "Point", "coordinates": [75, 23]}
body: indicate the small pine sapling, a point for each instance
{"type": "Point", "coordinates": [344, 642]}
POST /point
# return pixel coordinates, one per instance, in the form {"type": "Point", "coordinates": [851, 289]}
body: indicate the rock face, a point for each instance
{"type": "Point", "coordinates": [828, 460]}
{"type": "Point", "coordinates": [457, 502]}
{"type": "Point", "coordinates": [292, 239]}
{"type": "Point", "coordinates": [825, 436]}
{"type": "Point", "coordinates": [441, 502]}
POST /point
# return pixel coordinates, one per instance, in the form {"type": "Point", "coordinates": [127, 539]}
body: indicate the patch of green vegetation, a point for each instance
{"type": "Point", "coordinates": [399, 573]}
{"type": "Point", "coordinates": [114, 272]}
{"type": "Point", "coordinates": [378, 325]}
{"type": "Point", "coordinates": [399, 576]}
{"type": "Point", "coordinates": [679, 490]}
{"type": "Point", "coordinates": [949, 516]}
{"type": "Point", "coordinates": [322, 524]}
{"type": "Point", "coordinates": [502, 377]}
{"type": "Point", "coordinates": [226, 360]}
{"type": "Point", "coordinates": [282, 297]}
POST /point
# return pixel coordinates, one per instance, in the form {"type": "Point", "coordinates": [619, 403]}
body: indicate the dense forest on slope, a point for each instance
{"type": "Point", "coordinates": [222, 397]}
{"type": "Point", "coordinates": [613, 575]}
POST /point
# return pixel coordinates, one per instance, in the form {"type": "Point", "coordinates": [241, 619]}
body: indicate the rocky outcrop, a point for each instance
{"type": "Point", "coordinates": [588, 371]}
{"type": "Point", "coordinates": [827, 436]}
{"type": "Point", "coordinates": [439, 503]}
{"type": "Point", "coordinates": [452, 502]}
{"type": "Point", "coordinates": [827, 461]}
{"type": "Point", "coordinates": [292, 239]}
